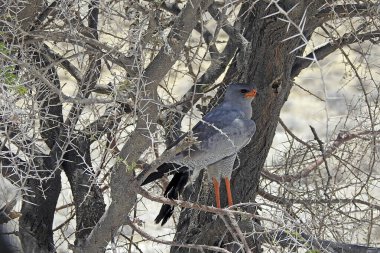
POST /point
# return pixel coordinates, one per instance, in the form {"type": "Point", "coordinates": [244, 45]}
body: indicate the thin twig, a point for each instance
{"type": "Point", "coordinates": [322, 149]}
{"type": "Point", "coordinates": [340, 140]}
{"type": "Point", "coordinates": [175, 244]}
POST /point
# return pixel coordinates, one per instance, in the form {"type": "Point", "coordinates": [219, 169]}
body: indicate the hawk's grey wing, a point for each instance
{"type": "Point", "coordinates": [180, 138]}
{"type": "Point", "coordinates": [201, 127]}
{"type": "Point", "coordinates": [221, 133]}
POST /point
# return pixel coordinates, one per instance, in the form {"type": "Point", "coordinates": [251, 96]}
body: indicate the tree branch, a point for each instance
{"type": "Point", "coordinates": [323, 51]}
{"type": "Point", "coordinates": [307, 202]}
{"type": "Point", "coordinates": [108, 52]}
{"type": "Point", "coordinates": [88, 199]}
{"type": "Point", "coordinates": [340, 140]}
{"type": "Point", "coordinates": [9, 164]}
{"type": "Point", "coordinates": [49, 101]}
{"type": "Point", "coordinates": [48, 11]}
{"type": "Point", "coordinates": [232, 31]}
{"type": "Point", "coordinates": [175, 244]}
{"type": "Point", "coordinates": [66, 64]}
{"type": "Point", "coordinates": [36, 222]}
{"type": "Point", "coordinates": [298, 239]}
{"type": "Point", "coordinates": [285, 238]}
{"type": "Point", "coordinates": [123, 198]}
{"type": "Point", "coordinates": [347, 10]}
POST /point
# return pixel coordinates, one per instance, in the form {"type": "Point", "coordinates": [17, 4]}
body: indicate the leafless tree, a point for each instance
{"type": "Point", "coordinates": [92, 92]}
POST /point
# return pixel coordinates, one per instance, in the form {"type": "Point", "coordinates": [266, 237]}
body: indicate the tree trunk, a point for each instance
{"type": "Point", "coordinates": [36, 232]}
{"type": "Point", "coordinates": [88, 198]}
{"type": "Point", "coordinates": [265, 60]}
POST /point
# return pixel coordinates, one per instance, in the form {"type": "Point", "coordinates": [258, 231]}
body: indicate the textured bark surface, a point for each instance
{"type": "Point", "coordinates": [88, 199]}
{"type": "Point", "coordinates": [36, 233]}
{"type": "Point", "coordinates": [26, 11]}
{"type": "Point", "coordinates": [266, 59]}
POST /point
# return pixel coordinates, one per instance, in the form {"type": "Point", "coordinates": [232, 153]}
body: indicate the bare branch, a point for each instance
{"type": "Point", "coordinates": [233, 33]}
{"type": "Point", "coordinates": [48, 11]}
{"type": "Point", "coordinates": [348, 10]}
{"type": "Point", "coordinates": [108, 52]}
{"type": "Point", "coordinates": [179, 245]}
{"type": "Point", "coordinates": [297, 240]}
{"type": "Point", "coordinates": [65, 63]}
{"type": "Point", "coordinates": [287, 201]}
{"type": "Point", "coordinates": [123, 199]}
{"type": "Point", "coordinates": [323, 51]}
{"type": "Point", "coordinates": [341, 139]}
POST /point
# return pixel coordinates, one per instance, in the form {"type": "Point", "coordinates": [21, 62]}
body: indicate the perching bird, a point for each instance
{"type": "Point", "coordinates": [220, 135]}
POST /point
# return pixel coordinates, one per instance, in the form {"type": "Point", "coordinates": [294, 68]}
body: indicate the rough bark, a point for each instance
{"type": "Point", "coordinates": [266, 59]}
{"type": "Point", "coordinates": [38, 208]}
{"type": "Point", "coordinates": [49, 102]}
{"type": "Point", "coordinates": [88, 198]}
{"type": "Point", "coordinates": [25, 11]}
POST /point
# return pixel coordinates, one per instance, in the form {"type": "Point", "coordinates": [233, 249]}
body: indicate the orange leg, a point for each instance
{"type": "Point", "coordinates": [217, 193]}
{"type": "Point", "coordinates": [229, 194]}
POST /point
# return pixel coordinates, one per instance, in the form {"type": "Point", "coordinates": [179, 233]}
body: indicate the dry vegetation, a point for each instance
{"type": "Point", "coordinates": [93, 91]}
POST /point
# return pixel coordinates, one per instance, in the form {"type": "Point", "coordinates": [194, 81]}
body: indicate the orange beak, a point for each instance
{"type": "Point", "coordinates": [251, 94]}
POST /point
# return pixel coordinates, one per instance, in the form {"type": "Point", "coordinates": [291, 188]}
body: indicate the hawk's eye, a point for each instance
{"type": "Point", "coordinates": [244, 91]}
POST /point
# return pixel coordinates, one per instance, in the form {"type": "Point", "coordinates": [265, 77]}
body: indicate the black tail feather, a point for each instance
{"type": "Point", "coordinates": [174, 189]}
{"type": "Point", "coordinates": [164, 169]}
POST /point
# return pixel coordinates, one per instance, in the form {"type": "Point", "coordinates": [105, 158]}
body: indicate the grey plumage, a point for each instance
{"type": "Point", "coordinates": [221, 133]}
{"type": "Point", "coordinates": [219, 137]}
